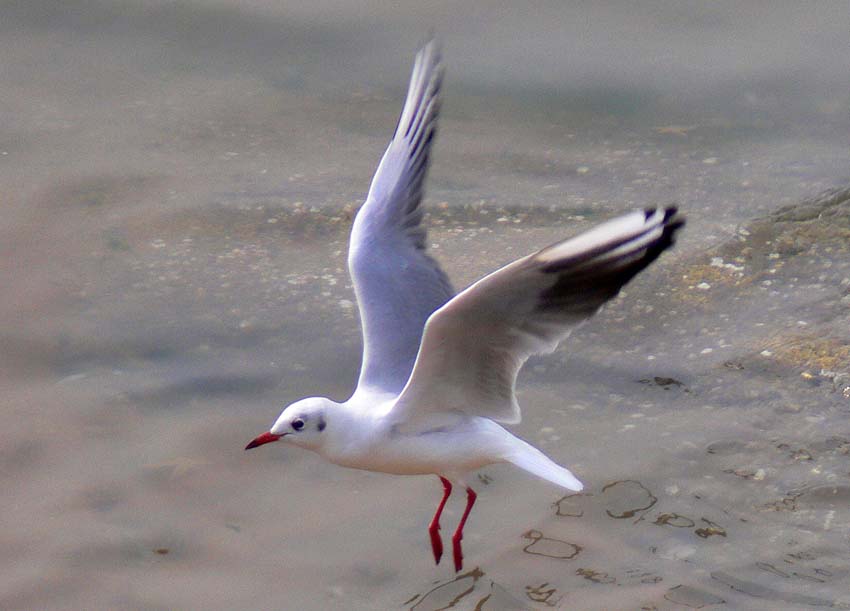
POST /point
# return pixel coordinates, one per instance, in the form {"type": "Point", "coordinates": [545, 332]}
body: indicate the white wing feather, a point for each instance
{"type": "Point", "coordinates": [474, 346]}
{"type": "Point", "coordinates": [397, 284]}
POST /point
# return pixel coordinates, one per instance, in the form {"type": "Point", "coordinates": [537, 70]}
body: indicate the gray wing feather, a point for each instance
{"type": "Point", "coordinates": [397, 284]}
{"type": "Point", "coordinates": [474, 346]}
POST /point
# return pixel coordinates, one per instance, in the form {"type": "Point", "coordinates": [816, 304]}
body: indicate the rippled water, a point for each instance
{"type": "Point", "coordinates": [178, 180]}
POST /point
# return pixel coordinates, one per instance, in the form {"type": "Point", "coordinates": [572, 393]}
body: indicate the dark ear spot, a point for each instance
{"type": "Point", "coordinates": [322, 424]}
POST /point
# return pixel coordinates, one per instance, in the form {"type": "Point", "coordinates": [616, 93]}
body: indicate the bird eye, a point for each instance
{"type": "Point", "coordinates": [298, 424]}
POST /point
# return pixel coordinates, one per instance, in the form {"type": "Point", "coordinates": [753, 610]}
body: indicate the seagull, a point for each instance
{"type": "Point", "coordinates": [439, 369]}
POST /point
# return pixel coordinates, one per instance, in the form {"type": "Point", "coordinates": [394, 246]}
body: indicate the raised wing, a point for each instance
{"type": "Point", "coordinates": [398, 286]}
{"type": "Point", "coordinates": [474, 346]}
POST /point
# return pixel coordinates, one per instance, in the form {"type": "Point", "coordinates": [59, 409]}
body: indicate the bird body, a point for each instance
{"type": "Point", "coordinates": [439, 370]}
{"type": "Point", "coordinates": [360, 434]}
{"type": "Point", "coordinates": [447, 449]}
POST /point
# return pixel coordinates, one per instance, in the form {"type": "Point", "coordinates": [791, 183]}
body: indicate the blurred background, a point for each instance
{"type": "Point", "coordinates": [178, 181]}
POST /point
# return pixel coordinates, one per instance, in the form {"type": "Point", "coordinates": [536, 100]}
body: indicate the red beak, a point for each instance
{"type": "Point", "coordinates": [264, 438]}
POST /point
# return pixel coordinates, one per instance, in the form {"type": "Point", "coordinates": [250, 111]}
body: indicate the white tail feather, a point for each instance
{"type": "Point", "coordinates": [534, 461]}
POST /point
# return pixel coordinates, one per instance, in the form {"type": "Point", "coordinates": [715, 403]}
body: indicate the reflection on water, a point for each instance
{"type": "Point", "coordinates": [178, 181]}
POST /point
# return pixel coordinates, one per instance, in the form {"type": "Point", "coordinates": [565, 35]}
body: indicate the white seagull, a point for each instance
{"type": "Point", "coordinates": [439, 369]}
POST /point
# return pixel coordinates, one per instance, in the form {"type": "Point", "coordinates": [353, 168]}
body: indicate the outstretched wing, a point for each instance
{"type": "Point", "coordinates": [398, 286]}
{"type": "Point", "coordinates": [474, 346]}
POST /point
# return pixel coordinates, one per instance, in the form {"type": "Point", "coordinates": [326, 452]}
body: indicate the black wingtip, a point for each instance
{"type": "Point", "coordinates": [669, 212]}
{"type": "Point", "coordinates": [672, 224]}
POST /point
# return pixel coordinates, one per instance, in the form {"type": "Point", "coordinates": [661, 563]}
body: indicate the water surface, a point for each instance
{"type": "Point", "coordinates": [178, 180]}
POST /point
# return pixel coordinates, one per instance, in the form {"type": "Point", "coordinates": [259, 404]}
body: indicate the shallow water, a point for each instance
{"type": "Point", "coordinates": [178, 183]}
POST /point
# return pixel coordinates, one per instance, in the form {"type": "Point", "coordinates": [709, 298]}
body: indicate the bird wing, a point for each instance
{"type": "Point", "coordinates": [474, 346]}
{"type": "Point", "coordinates": [398, 286]}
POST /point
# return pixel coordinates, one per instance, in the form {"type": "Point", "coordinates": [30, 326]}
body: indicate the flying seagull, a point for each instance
{"type": "Point", "coordinates": [439, 369]}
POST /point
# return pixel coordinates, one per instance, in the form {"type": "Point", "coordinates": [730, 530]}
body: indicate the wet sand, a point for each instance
{"type": "Point", "coordinates": [178, 181]}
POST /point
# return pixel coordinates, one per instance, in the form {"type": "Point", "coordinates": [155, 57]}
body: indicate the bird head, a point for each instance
{"type": "Point", "coordinates": [302, 423]}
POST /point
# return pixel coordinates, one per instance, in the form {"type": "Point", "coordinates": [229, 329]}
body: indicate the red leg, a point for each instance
{"type": "Point", "coordinates": [434, 527]}
{"type": "Point", "coordinates": [470, 501]}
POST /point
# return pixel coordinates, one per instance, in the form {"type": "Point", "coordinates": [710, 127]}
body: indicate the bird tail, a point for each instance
{"type": "Point", "coordinates": [534, 461]}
